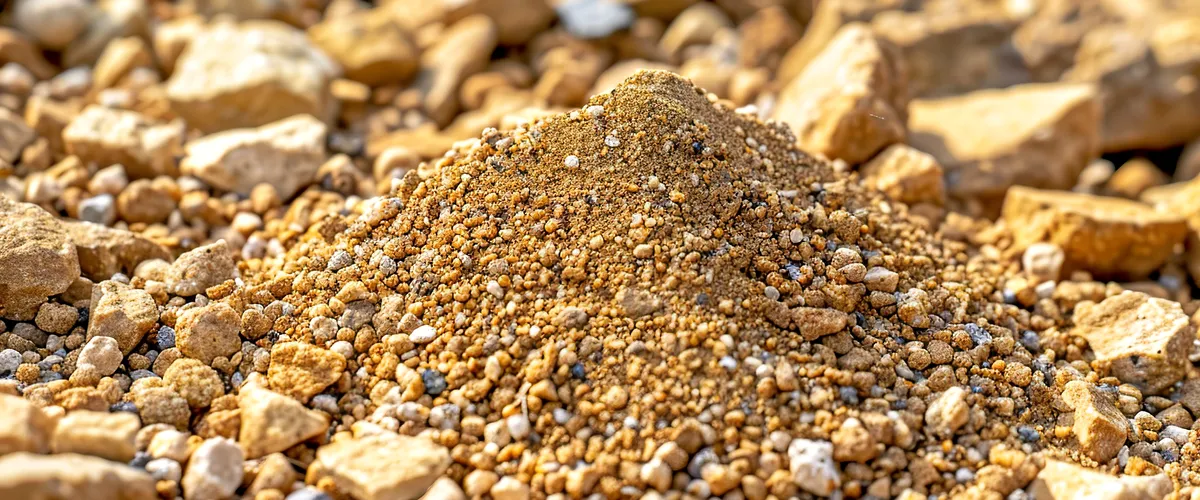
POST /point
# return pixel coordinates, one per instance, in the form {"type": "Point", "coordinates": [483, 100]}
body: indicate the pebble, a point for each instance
{"type": "Point", "coordinates": [812, 466]}
{"type": "Point", "coordinates": [32, 243]}
{"type": "Point", "coordinates": [201, 268]}
{"type": "Point", "coordinates": [101, 356]}
{"type": "Point", "coordinates": [206, 333]}
{"type": "Point", "coordinates": [214, 470]}
{"type": "Point", "coordinates": [434, 382]}
{"type": "Point", "coordinates": [509, 488]}
{"type": "Point", "coordinates": [571, 161]}
{"type": "Point", "coordinates": [590, 19]}
{"type": "Point", "coordinates": [424, 334]}
{"type": "Point", "coordinates": [948, 412]}
{"type": "Point", "coordinates": [122, 313]}
{"type": "Point", "coordinates": [165, 469]}
{"type": "Point", "coordinates": [271, 422]}
{"type": "Point", "coordinates": [303, 370]}
{"type": "Point", "coordinates": [285, 154]}
{"type": "Point", "coordinates": [381, 467]}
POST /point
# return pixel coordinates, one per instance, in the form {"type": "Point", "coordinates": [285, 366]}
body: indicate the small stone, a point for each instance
{"type": "Point", "coordinates": [209, 332]}
{"type": "Point", "coordinates": [122, 313]}
{"type": "Point", "coordinates": [812, 466]}
{"type": "Point", "coordinates": [170, 444]}
{"type": "Point", "coordinates": [285, 154]}
{"type": "Point", "coordinates": [1110, 237]}
{"type": "Point", "coordinates": [250, 74]}
{"type": "Point", "coordinates": [14, 136]}
{"type": "Point", "coordinates": [19, 49]}
{"type": "Point", "coordinates": [881, 279]}
{"type": "Point", "coordinates": [197, 382]}
{"type": "Point", "coordinates": [1067, 481]}
{"type": "Point", "coordinates": [27, 475]}
{"type": "Point", "coordinates": [272, 422]}
{"type": "Point", "coordinates": [444, 488]}
{"type": "Point", "coordinates": [162, 405]}
{"type": "Point", "coordinates": [510, 488]}
{"type": "Point", "coordinates": [591, 19]}
{"type": "Point", "coordinates": [850, 102]}
{"type": "Point", "coordinates": [424, 334]}
{"type": "Point", "coordinates": [638, 303]}
{"type": "Point", "coordinates": [370, 46]}
{"type": "Point", "coordinates": [147, 201]}
{"type": "Point", "coordinates": [56, 318]}
{"type": "Point", "coordinates": [53, 24]}
{"type": "Point", "coordinates": [105, 251]}
{"type": "Point", "coordinates": [853, 443]}
{"type": "Point", "coordinates": [23, 427]}
{"type": "Point", "coordinates": [201, 268]}
{"type": "Point", "coordinates": [906, 175]}
{"type": "Point", "coordinates": [38, 258]}
{"type": "Point", "coordinates": [948, 412]}
{"type": "Point", "coordinates": [984, 157]}
{"type": "Point", "coordinates": [214, 470]}
{"type": "Point", "coordinates": [462, 50]}
{"type": "Point", "coordinates": [120, 57]}
{"type": "Point", "coordinates": [1141, 340]}
{"type": "Point", "coordinates": [1099, 427]}
{"type": "Point", "coordinates": [696, 25]}
{"type": "Point", "coordinates": [106, 136]}
{"type": "Point", "coordinates": [380, 467]}
{"type": "Point", "coordinates": [165, 469]}
{"type": "Point", "coordinates": [101, 434]}
{"type": "Point", "coordinates": [815, 323]}
{"type": "Point", "coordinates": [101, 355]}
{"type": "Point", "coordinates": [301, 370]}
{"type": "Point", "coordinates": [1043, 261]}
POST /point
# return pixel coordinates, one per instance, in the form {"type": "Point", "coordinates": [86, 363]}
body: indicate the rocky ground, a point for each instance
{"type": "Point", "coordinates": [329, 249]}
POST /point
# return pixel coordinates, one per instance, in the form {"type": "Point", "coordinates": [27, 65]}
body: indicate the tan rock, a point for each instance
{"type": "Point", "coordinates": [14, 136]}
{"type": "Point", "coordinates": [1039, 135]}
{"type": "Point", "coordinates": [201, 268]}
{"type": "Point", "coordinates": [694, 26]}
{"type": "Point", "coordinates": [214, 471]}
{"type": "Point", "coordinates": [948, 412]}
{"type": "Point", "coordinates": [250, 74]}
{"type": "Point", "coordinates": [765, 36]}
{"type": "Point", "coordinates": [25, 475]}
{"type": "Point", "coordinates": [1141, 340]}
{"type": "Point", "coordinates": [209, 332]}
{"type": "Point", "coordinates": [23, 427]}
{"type": "Point", "coordinates": [121, 312]}
{"type": "Point", "coordinates": [106, 136]}
{"type": "Point", "coordinates": [907, 175]}
{"type": "Point", "coordinates": [853, 443]}
{"type": "Point", "coordinates": [105, 251]}
{"type": "Point", "coordinates": [828, 18]}
{"type": "Point", "coordinates": [101, 434]}
{"type": "Point", "coordinates": [1060, 480]}
{"type": "Point", "coordinates": [850, 101]}
{"type": "Point", "coordinates": [462, 50]}
{"type": "Point", "coordinates": [15, 47]}
{"type": "Point", "coordinates": [285, 154]}
{"type": "Point", "coordinates": [38, 258]}
{"type": "Point", "coordinates": [114, 19]}
{"type": "Point", "coordinates": [1099, 426]}
{"type": "Point", "coordinates": [1049, 39]}
{"type": "Point", "coordinates": [147, 201]}
{"type": "Point", "coordinates": [275, 471]}
{"type": "Point", "coordinates": [385, 466]}
{"type": "Point", "coordinates": [119, 58]}
{"type": "Point", "coordinates": [303, 370]}
{"type": "Point", "coordinates": [1103, 235]}
{"type": "Point", "coordinates": [53, 24]}
{"type": "Point", "coordinates": [1135, 176]}
{"type": "Point", "coordinates": [954, 50]}
{"type": "Point", "coordinates": [161, 405]}
{"type": "Point", "coordinates": [272, 422]}
{"type": "Point", "coordinates": [370, 46]}
{"type": "Point", "coordinates": [197, 382]}
{"type": "Point", "coordinates": [171, 36]}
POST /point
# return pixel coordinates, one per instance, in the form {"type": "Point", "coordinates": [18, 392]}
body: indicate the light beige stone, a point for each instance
{"type": "Point", "coordinates": [285, 154]}
{"type": "Point", "coordinates": [1141, 340]}
{"type": "Point", "coordinates": [381, 467]}
{"type": "Point", "coordinates": [101, 434]}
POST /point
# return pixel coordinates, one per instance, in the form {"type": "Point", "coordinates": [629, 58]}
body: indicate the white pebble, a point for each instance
{"type": "Point", "coordinates": [728, 363]}
{"type": "Point", "coordinates": [495, 289]}
{"type": "Point", "coordinates": [595, 110]}
{"type": "Point", "coordinates": [571, 161]}
{"type": "Point", "coordinates": [771, 293]}
{"type": "Point", "coordinates": [424, 334]}
{"type": "Point", "coordinates": [518, 426]}
{"type": "Point", "coordinates": [612, 142]}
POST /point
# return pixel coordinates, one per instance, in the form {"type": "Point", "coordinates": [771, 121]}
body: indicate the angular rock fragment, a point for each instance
{"type": "Point", "coordinates": [100, 434]}
{"type": "Point", "coordinates": [250, 74]}
{"type": "Point", "coordinates": [906, 175]}
{"type": "Point", "coordinates": [1103, 235]}
{"type": "Point", "coordinates": [209, 332]}
{"type": "Point", "coordinates": [1067, 481]}
{"type": "Point", "coordinates": [199, 269]}
{"type": "Point", "coordinates": [105, 251]}
{"type": "Point", "coordinates": [1099, 426]}
{"type": "Point", "coordinates": [461, 51]}
{"type": "Point", "coordinates": [121, 312]}
{"type": "Point", "coordinates": [370, 46]}
{"type": "Point", "coordinates": [850, 101]}
{"type": "Point", "coordinates": [380, 467]}
{"type": "Point", "coordinates": [14, 136]}
{"type": "Point", "coordinates": [285, 154]}
{"type": "Point", "coordinates": [1141, 340]}
{"type": "Point", "coordinates": [26, 475]}
{"type": "Point", "coordinates": [271, 422]}
{"type": "Point", "coordinates": [303, 370]}
{"type": "Point", "coordinates": [38, 258]}
{"type": "Point", "coordinates": [108, 136]}
{"type": "Point", "coordinates": [1039, 135]}
{"type": "Point", "coordinates": [23, 426]}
